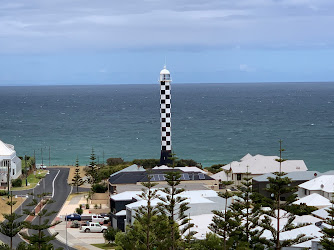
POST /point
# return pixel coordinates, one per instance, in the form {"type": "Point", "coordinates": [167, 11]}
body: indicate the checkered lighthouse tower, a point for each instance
{"type": "Point", "coordinates": [165, 117]}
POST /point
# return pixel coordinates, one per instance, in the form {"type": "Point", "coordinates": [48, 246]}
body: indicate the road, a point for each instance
{"type": "Point", "coordinates": [54, 183]}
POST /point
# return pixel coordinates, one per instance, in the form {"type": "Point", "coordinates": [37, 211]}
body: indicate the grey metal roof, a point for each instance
{"type": "Point", "coordinates": [124, 177]}
{"type": "Point", "coordinates": [295, 176]}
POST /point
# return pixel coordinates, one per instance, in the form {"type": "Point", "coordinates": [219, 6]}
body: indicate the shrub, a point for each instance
{"type": "Point", "coordinates": [99, 188]}
{"type": "Point", "coordinates": [87, 206]}
{"type": "Point", "coordinates": [17, 183]}
{"type": "Point", "coordinates": [114, 161]}
{"type": "Point", "coordinates": [3, 192]}
{"type": "Point", "coordinates": [146, 163]}
{"type": "Point", "coordinates": [79, 210]}
{"type": "Point", "coordinates": [110, 234]}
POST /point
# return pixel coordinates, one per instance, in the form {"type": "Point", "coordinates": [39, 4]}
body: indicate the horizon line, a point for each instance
{"type": "Point", "coordinates": [108, 84]}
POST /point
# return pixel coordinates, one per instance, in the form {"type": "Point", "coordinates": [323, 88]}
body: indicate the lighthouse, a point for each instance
{"type": "Point", "coordinates": [165, 117]}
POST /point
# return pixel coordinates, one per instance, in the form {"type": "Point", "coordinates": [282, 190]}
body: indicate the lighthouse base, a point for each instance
{"type": "Point", "coordinates": [165, 157]}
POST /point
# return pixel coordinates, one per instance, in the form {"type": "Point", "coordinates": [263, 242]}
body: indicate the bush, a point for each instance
{"type": "Point", "coordinates": [110, 234]}
{"type": "Point", "coordinates": [114, 161]}
{"type": "Point", "coordinates": [87, 206]}
{"type": "Point", "coordinates": [17, 183]}
{"type": "Point", "coordinates": [3, 192]}
{"type": "Point", "coordinates": [215, 168]}
{"type": "Point", "coordinates": [99, 188]}
{"type": "Point", "coordinates": [146, 163]}
{"type": "Point", "coordinates": [79, 210]}
{"type": "Point", "coordinates": [186, 163]}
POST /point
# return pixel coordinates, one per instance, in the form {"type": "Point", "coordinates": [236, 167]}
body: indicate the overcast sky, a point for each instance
{"type": "Point", "coordinates": [46, 42]}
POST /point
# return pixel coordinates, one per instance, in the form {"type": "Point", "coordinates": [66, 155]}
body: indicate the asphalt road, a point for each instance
{"type": "Point", "coordinates": [54, 183]}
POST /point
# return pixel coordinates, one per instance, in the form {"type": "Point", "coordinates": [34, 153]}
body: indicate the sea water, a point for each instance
{"type": "Point", "coordinates": [211, 123]}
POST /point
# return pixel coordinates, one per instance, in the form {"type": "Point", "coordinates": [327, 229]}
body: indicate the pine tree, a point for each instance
{"type": "Point", "coordinates": [77, 181]}
{"type": "Point", "coordinates": [10, 227]}
{"type": "Point", "coordinates": [175, 206]}
{"type": "Point", "coordinates": [327, 240]}
{"type": "Point", "coordinates": [280, 186]}
{"type": "Point", "coordinates": [40, 240]}
{"type": "Point", "coordinates": [92, 169]}
{"type": "Point", "coordinates": [249, 213]}
{"type": "Point", "coordinates": [144, 214]}
{"type": "Point", "coordinates": [226, 223]}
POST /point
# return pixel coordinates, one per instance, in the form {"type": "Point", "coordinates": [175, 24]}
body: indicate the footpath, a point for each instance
{"type": "Point", "coordinates": [72, 236]}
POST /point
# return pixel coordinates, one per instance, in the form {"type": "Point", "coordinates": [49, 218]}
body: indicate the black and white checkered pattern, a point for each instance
{"type": "Point", "coordinates": [165, 110]}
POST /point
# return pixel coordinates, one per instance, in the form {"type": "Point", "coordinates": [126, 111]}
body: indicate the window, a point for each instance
{"type": "Point", "coordinates": [13, 171]}
{"type": "Point", "coordinates": [167, 96]}
{"type": "Point", "coordinates": [168, 106]}
{"type": "Point", "coordinates": [238, 177]}
{"type": "Point", "coordinates": [162, 92]}
{"type": "Point", "coordinates": [168, 124]}
{"type": "Point", "coordinates": [305, 191]}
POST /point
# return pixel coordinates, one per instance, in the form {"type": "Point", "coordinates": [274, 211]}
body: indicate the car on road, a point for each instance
{"type": "Point", "coordinates": [72, 217]}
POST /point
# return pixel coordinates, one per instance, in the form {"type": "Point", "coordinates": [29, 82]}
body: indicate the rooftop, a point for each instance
{"type": "Point", "coordinates": [127, 177]}
{"type": "Point", "coordinates": [260, 164]}
{"type": "Point", "coordinates": [6, 149]}
{"type": "Point", "coordinates": [324, 183]}
{"type": "Point", "coordinates": [294, 176]}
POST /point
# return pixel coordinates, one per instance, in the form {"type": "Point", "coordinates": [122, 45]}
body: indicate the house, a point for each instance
{"type": "Point", "coordinates": [8, 162]}
{"type": "Point", "coordinates": [260, 183]}
{"type": "Point", "coordinates": [314, 200]}
{"type": "Point", "coordinates": [117, 206]}
{"type": "Point", "coordinates": [322, 185]}
{"type": "Point", "coordinates": [134, 175]}
{"type": "Point", "coordinates": [200, 203]}
{"type": "Point", "coordinates": [257, 165]}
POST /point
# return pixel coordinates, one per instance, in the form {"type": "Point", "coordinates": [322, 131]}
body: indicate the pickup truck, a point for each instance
{"type": "Point", "coordinates": [95, 218]}
{"type": "Point", "coordinates": [93, 227]}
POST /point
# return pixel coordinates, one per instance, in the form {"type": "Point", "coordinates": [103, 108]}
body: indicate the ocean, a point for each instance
{"type": "Point", "coordinates": [211, 123]}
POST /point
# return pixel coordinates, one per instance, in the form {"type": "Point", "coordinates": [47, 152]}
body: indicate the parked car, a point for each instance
{"type": "Point", "coordinates": [95, 218]}
{"type": "Point", "coordinates": [40, 166]}
{"type": "Point", "coordinates": [93, 227]}
{"type": "Point", "coordinates": [72, 217]}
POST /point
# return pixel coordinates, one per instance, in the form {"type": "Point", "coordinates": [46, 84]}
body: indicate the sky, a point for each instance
{"type": "Point", "coordinates": [49, 42]}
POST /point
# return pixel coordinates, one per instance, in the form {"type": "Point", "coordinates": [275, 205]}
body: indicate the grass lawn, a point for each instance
{"type": "Point", "coordinates": [105, 246]}
{"type": "Point", "coordinates": [33, 179]}
{"type": "Point", "coordinates": [4, 208]}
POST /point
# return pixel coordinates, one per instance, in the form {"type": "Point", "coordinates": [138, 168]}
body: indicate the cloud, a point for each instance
{"type": "Point", "coordinates": [246, 68]}
{"type": "Point", "coordinates": [34, 26]}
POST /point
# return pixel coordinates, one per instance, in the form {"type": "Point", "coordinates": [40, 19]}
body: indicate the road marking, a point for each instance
{"type": "Point", "coordinates": [53, 184]}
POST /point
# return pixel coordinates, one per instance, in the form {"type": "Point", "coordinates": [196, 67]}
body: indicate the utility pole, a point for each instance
{"type": "Point", "coordinates": [103, 158]}
{"type": "Point", "coordinates": [8, 176]}
{"type": "Point", "coordinates": [26, 170]}
{"type": "Point", "coordinates": [34, 159]}
{"type": "Point", "coordinates": [42, 155]}
{"type": "Point", "coordinates": [49, 156]}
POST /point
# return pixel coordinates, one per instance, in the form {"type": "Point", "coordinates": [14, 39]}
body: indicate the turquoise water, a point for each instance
{"type": "Point", "coordinates": [211, 123]}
